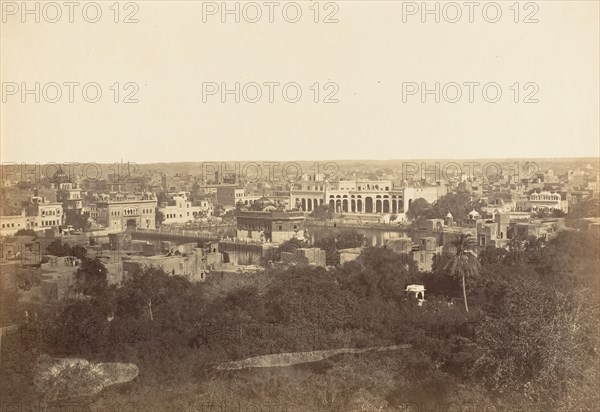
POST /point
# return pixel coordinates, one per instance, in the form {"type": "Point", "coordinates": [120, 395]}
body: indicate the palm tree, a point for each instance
{"type": "Point", "coordinates": [463, 262]}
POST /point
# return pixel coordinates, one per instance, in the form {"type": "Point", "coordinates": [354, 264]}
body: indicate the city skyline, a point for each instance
{"type": "Point", "coordinates": [300, 205]}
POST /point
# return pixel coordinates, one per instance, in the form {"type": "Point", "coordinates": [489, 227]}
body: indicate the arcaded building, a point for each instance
{"type": "Point", "coordinates": [360, 196]}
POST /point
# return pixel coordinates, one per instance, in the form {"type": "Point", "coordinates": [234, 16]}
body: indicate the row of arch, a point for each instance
{"type": "Point", "coordinates": [356, 205]}
{"type": "Point", "coordinates": [369, 205]}
{"type": "Point", "coordinates": [309, 204]}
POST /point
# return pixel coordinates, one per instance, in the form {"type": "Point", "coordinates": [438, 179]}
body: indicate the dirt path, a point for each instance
{"type": "Point", "coordinates": [294, 358]}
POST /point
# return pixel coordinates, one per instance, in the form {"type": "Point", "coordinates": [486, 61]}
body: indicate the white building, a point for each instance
{"type": "Point", "coordinates": [48, 215]}
{"type": "Point", "coordinates": [39, 215]}
{"type": "Point", "coordinates": [11, 224]}
{"type": "Point", "coordinates": [181, 210]}
{"type": "Point", "coordinates": [360, 196]}
{"type": "Point", "coordinates": [69, 194]}
{"type": "Point", "coordinates": [547, 201]}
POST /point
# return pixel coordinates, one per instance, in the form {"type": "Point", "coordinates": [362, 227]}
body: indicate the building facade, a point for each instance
{"type": "Point", "coordinates": [40, 214]}
{"type": "Point", "coordinates": [69, 194]}
{"type": "Point", "coordinates": [547, 201]}
{"type": "Point", "coordinates": [273, 226]}
{"type": "Point", "coordinates": [9, 225]}
{"type": "Point", "coordinates": [119, 212]}
{"type": "Point", "coordinates": [181, 210]}
{"type": "Point", "coordinates": [360, 196]}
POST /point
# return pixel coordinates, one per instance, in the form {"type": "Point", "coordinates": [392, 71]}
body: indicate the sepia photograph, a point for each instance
{"type": "Point", "coordinates": [300, 206]}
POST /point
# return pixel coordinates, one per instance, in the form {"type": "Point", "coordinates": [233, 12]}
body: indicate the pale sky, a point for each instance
{"type": "Point", "coordinates": [369, 53]}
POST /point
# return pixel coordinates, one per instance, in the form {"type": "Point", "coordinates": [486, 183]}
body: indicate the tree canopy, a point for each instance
{"type": "Point", "coordinates": [336, 241]}
{"type": "Point", "coordinates": [529, 339]}
{"type": "Point", "coordinates": [459, 204]}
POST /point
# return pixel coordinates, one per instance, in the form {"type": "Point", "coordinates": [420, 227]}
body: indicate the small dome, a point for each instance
{"type": "Point", "coordinates": [262, 204]}
{"type": "Point", "coordinates": [264, 201]}
{"type": "Point", "coordinates": [449, 215]}
{"type": "Point", "coordinates": [473, 213]}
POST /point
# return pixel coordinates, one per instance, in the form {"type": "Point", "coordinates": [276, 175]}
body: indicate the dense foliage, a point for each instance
{"type": "Point", "coordinates": [290, 246]}
{"type": "Point", "coordinates": [336, 241]}
{"type": "Point", "coordinates": [60, 249]}
{"type": "Point", "coordinates": [459, 204]}
{"type": "Point", "coordinates": [585, 208]}
{"type": "Point", "coordinates": [26, 232]}
{"type": "Point", "coordinates": [79, 221]}
{"type": "Point", "coordinates": [528, 342]}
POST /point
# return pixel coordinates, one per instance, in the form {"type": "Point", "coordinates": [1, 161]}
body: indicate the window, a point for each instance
{"type": "Point", "coordinates": [280, 227]}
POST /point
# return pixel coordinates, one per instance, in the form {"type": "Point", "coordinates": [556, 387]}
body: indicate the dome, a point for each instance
{"type": "Point", "coordinates": [262, 204]}
{"type": "Point", "coordinates": [265, 201]}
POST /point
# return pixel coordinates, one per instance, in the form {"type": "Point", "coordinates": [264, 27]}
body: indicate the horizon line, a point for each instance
{"type": "Point", "coordinates": [121, 161]}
